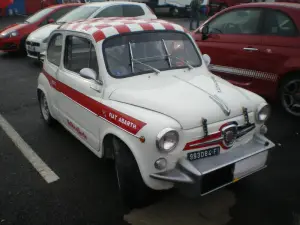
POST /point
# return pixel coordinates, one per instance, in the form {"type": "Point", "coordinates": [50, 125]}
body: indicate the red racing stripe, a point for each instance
{"type": "Point", "coordinates": [121, 120]}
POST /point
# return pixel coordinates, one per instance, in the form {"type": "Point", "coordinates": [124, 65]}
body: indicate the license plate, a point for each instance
{"type": "Point", "coordinates": [31, 48]}
{"type": "Point", "coordinates": [203, 153]}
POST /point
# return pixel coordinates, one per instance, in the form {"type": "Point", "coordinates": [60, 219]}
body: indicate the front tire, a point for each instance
{"type": "Point", "coordinates": [133, 190]}
{"type": "Point", "coordinates": [44, 109]}
{"type": "Point", "coordinates": [174, 12]}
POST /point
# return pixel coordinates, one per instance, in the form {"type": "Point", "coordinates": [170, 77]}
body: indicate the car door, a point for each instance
{"type": "Point", "coordinates": [51, 69]}
{"type": "Point", "coordinates": [281, 45]}
{"type": "Point", "coordinates": [233, 43]}
{"type": "Point", "coordinates": [78, 94]}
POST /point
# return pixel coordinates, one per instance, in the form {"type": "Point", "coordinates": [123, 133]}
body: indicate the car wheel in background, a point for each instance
{"type": "Point", "coordinates": [174, 12]}
{"type": "Point", "coordinates": [290, 94]}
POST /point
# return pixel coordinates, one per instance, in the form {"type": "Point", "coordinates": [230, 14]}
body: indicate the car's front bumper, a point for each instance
{"type": "Point", "coordinates": [206, 175]}
{"type": "Point", "coordinates": [9, 44]}
{"type": "Point", "coordinates": [34, 48]}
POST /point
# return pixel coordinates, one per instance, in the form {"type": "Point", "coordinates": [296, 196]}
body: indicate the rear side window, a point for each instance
{"type": "Point", "coordinates": [111, 11]}
{"type": "Point", "coordinates": [279, 24]}
{"type": "Point", "coordinates": [80, 53]}
{"type": "Point", "coordinates": [54, 49]}
{"type": "Point", "coordinates": [133, 10]}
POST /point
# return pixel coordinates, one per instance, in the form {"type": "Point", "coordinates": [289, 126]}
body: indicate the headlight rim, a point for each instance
{"type": "Point", "coordinates": [161, 134]}
{"type": "Point", "coordinates": [259, 109]}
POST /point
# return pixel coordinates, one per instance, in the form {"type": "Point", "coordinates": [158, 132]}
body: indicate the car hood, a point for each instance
{"type": "Point", "coordinates": [187, 98]}
{"type": "Point", "coordinates": [14, 27]}
{"type": "Point", "coordinates": [43, 32]}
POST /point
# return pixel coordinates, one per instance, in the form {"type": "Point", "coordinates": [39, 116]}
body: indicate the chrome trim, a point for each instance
{"type": "Point", "coordinates": [206, 193]}
{"type": "Point", "coordinates": [161, 134]}
{"type": "Point", "coordinates": [250, 49]}
{"type": "Point", "coordinates": [216, 84]}
{"type": "Point", "coordinates": [100, 116]}
{"type": "Point", "coordinates": [259, 108]}
{"type": "Point", "coordinates": [222, 105]}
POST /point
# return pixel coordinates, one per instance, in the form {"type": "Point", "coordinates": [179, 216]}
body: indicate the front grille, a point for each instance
{"type": "Point", "coordinates": [33, 53]}
{"type": "Point", "coordinates": [32, 43]}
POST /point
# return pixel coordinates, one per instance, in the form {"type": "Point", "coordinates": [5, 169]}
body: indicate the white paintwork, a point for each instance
{"type": "Point", "coordinates": [161, 101]}
{"type": "Point", "coordinates": [41, 167]}
{"type": "Point", "coordinates": [44, 32]}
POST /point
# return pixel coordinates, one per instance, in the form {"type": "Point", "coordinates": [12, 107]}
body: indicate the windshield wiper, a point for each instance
{"type": "Point", "coordinates": [171, 56]}
{"type": "Point", "coordinates": [132, 60]}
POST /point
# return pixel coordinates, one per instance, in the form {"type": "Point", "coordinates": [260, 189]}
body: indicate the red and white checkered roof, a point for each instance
{"type": "Point", "coordinates": [104, 28]}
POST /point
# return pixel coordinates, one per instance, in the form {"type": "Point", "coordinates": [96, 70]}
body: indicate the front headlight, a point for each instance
{"type": "Point", "coordinates": [9, 34]}
{"type": "Point", "coordinates": [263, 112]}
{"type": "Point", "coordinates": [46, 40]}
{"type": "Point", "coordinates": [167, 140]}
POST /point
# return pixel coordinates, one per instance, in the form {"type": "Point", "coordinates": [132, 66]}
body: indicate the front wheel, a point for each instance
{"type": "Point", "coordinates": [134, 191]}
{"type": "Point", "coordinates": [174, 12]}
{"type": "Point", "coordinates": [290, 95]}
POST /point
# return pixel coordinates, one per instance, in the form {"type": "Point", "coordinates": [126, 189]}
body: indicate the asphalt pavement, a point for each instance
{"type": "Point", "coordinates": [86, 192]}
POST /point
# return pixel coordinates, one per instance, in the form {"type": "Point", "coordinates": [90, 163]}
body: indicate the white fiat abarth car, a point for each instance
{"type": "Point", "coordinates": [36, 42]}
{"type": "Point", "coordinates": [139, 91]}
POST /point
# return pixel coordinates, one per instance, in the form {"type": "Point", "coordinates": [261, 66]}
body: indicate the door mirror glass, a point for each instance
{"type": "Point", "coordinates": [88, 74]}
{"type": "Point", "coordinates": [206, 59]}
{"type": "Point", "coordinates": [51, 20]}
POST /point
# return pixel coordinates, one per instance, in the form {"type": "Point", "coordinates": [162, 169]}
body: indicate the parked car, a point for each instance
{"type": "Point", "coordinates": [139, 91]}
{"type": "Point", "coordinates": [257, 46]}
{"type": "Point", "coordinates": [37, 41]}
{"type": "Point", "coordinates": [12, 38]}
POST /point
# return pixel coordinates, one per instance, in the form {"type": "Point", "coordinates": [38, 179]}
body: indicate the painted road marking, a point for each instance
{"type": "Point", "coordinates": [48, 175]}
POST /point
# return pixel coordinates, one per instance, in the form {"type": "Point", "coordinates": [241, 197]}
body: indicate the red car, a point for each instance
{"type": "Point", "coordinates": [257, 46]}
{"type": "Point", "coordinates": [13, 37]}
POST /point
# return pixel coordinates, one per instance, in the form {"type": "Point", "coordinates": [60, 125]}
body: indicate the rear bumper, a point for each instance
{"type": "Point", "coordinates": [201, 177]}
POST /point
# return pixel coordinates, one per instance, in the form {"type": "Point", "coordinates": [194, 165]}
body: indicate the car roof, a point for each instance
{"type": "Point", "coordinates": [102, 28]}
{"type": "Point", "coordinates": [269, 5]}
{"type": "Point", "coordinates": [113, 3]}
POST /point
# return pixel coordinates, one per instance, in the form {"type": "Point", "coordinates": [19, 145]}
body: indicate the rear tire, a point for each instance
{"type": "Point", "coordinates": [44, 109]}
{"type": "Point", "coordinates": [174, 12]}
{"type": "Point", "coordinates": [134, 192]}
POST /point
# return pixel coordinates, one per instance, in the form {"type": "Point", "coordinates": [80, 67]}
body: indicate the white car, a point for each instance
{"type": "Point", "coordinates": [140, 92]}
{"type": "Point", "coordinates": [36, 42]}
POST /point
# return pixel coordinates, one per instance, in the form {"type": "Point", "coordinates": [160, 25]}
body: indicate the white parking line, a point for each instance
{"type": "Point", "coordinates": [48, 175]}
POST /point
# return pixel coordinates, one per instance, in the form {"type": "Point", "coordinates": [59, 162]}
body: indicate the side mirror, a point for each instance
{"type": "Point", "coordinates": [206, 59]}
{"type": "Point", "coordinates": [51, 20]}
{"type": "Point", "coordinates": [88, 73]}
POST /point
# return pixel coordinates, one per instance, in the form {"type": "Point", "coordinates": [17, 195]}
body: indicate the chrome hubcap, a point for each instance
{"type": "Point", "coordinates": [44, 107]}
{"type": "Point", "coordinates": [291, 97]}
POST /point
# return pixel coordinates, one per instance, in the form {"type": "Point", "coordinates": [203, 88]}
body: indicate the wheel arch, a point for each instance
{"type": "Point", "coordinates": [287, 76]}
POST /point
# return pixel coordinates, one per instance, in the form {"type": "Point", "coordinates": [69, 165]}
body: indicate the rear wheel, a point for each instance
{"type": "Point", "coordinates": [134, 191]}
{"type": "Point", "coordinates": [174, 12]}
{"type": "Point", "coordinates": [44, 108]}
{"type": "Point", "coordinates": [290, 94]}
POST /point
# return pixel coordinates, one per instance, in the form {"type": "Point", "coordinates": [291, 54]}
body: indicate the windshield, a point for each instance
{"type": "Point", "coordinates": [140, 53]}
{"type": "Point", "coordinates": [79, 13]}
{"type": "Point", "coordinates": [39, 15]}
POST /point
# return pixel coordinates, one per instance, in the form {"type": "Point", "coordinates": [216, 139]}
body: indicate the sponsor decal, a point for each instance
{"type": "Point", "coordinates": [126, 122]}
{"type": "Point", "coordinates": [77, 129]}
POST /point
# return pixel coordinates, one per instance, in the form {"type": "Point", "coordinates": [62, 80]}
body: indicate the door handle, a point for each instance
{"type": "Point", "coordinates": [250, 49]}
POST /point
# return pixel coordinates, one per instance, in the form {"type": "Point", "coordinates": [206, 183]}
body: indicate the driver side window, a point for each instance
{"type": "Point", "coordinates": [241, 21]}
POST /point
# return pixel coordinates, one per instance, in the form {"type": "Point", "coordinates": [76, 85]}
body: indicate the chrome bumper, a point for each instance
{"type": "Point", "coordinates": [244, 160]}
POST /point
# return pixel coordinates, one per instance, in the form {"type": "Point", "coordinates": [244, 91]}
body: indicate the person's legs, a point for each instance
{"type": "Point", "coordinates": [198, 19]}
{"type": "Point", "coordinates": [192, 21]}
